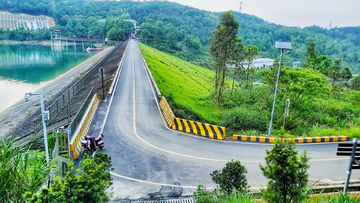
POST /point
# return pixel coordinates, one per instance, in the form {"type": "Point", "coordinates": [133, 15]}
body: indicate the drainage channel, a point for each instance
{"type": "Point", "coordinates": [174, 200]}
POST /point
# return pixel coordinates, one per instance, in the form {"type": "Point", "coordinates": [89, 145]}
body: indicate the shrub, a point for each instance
{"type": "Point", "coordinates": [244, 118]}
{"type": "Point", "coordinates": [232, 176]}
{"type": "Point", "coordinates": [287, 173]}
{"type": "Point", "coordinates": [88, 186]}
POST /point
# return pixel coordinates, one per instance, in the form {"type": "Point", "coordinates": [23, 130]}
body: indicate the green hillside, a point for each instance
{"type": "Point", "coordinates": [174, 27]}
{"type": "Point", "coordinates": [316, 108]}
{"type": "Point", "coordinates": [187, 87]}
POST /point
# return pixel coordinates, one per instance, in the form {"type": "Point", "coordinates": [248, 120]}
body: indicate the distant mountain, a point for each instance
{"type": "Point", "coordinates": [171, 21]}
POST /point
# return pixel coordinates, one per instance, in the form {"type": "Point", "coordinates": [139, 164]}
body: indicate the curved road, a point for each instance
{"type": "Point", "coordinates": [146, 154]}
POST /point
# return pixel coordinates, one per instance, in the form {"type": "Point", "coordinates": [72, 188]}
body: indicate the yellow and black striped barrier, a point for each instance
{"type": "Point", "coordinates": [168, 114]}
{"type": "Point", "coordinates": [75, 147]}
{"type": "Point", "coordinates": [197, 128]}
{"type": "Point", "coordinates": [298, 140]}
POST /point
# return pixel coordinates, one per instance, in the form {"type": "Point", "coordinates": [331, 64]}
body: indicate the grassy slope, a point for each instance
{"type": "Point", "coordinates": [190, 85]}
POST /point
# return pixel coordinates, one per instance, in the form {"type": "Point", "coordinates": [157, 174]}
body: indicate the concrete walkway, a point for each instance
{"type": "Point", "coordinates": [20, 111]}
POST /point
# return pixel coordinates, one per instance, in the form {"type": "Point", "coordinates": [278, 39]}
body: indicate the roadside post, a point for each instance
{"type": "Point", "coordinates": [102, 70]}
{"type": "Point", "coordinates": [45, 117]}
{"type": "Point", "coordinates": [349, 149]}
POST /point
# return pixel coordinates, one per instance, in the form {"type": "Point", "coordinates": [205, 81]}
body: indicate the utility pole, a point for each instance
{"type": "Point", "coordinates": [330, 25]}
{"type": "Point", "coordinates": [240, 7]}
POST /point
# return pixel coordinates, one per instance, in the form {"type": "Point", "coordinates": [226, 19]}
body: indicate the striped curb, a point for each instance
{"type": "Point", "coordinates": [300, 140]}
{"type": "Point", "coordinates": [76, 146]}
{"type": "Point", "coordinates": [197, 128]}
{"type": "Point", "coordinates": [168, 113]}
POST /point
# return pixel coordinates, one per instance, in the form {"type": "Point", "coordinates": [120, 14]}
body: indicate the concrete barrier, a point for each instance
{"type": "Point", "coordinates": [198, 128]}
{"type": "Point", "coordinates": [167, 112]}
{"type": "Point", "coordinates": [298, 140]}
{"type": "Point", "coordinates": [75, 145]}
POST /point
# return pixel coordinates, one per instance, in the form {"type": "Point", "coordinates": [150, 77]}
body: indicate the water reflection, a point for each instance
{"type": "Point", "coordinates": [37, 63]}
{"type": "Point", "coordinates": [27, 68]}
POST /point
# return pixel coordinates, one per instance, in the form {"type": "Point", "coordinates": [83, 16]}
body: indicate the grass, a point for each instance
{"type": "Point", "coordinates": [186, 86]}
{"type": "Point", "coordinates": [189, 90]}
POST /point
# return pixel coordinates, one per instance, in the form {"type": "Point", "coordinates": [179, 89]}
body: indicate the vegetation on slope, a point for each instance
{"type": "Point", "coordinates": [187, 87]}
{"type": "Point", "coordinates": [316, 109]}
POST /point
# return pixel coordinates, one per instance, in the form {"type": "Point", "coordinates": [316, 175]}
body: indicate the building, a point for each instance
{"type": "Point", "coordinates": [296, 64]}
{"type": "Point", "coordinates": [258, 63]}
{"type": "Point", "coordinates": [265, 63]}
{"type": "Point", "coordinates": [15, 21]}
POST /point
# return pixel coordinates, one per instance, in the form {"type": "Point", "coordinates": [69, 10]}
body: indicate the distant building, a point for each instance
{"type": "Point", "coordinates": [258, 63]}
{"type": "Point", "coordinates": [265, 63]}
{"type": "Point", "coordinates": [15, 21]}
{"type": "Point", "coordinates": [296, 64]}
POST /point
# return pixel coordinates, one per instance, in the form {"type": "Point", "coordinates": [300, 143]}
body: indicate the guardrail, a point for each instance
{"type": "Point", "coordinates": [82, 126]}
{"type": "Point", "coordinates": [56, 107]}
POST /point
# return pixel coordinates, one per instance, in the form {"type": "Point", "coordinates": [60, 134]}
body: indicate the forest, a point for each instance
{"type": "Point", "coordinates": [186, 31]}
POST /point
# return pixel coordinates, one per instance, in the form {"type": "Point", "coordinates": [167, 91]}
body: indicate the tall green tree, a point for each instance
{"type": "Point", "coordinates": [287, 173]}
{"type": "Point", "coordinates": [250, 52]}
{"type": "Point", "coordinates": [311, 56]}
{"type": "Point", "coordinates": [222, 43]}
{"type": "Point", "coordinates": [238, 57]}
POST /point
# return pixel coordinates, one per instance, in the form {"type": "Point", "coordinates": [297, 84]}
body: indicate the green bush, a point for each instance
{"type": "Point", "coordinates": [20, 170]}
{"type": "Point", "coordinates": [88, 185]}
{"type": "Point", "coordinates": [245, 119]}
{"type": "Point", "coordinates": [231, 177]}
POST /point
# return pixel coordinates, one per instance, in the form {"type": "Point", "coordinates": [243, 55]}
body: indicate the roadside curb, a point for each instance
{"type": "Point", "coordinates": [299, 140]}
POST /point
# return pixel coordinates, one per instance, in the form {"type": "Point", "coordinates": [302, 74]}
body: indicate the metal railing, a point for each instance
{"type": "Point", "coordinates": [56, 107]}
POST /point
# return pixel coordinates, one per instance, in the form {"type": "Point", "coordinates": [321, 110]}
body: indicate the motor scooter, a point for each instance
{"type": "Point", "coordinates": [91, 144]}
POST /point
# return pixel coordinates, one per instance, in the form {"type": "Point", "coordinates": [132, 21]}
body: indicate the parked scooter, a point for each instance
{"type": "Point", "coordinates": [91, 144]}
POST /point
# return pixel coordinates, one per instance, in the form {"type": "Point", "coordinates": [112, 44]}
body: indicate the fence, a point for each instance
{"type": "Point", "coordinates": [56, 107]}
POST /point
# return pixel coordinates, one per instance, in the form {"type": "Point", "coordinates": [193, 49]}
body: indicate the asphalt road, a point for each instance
{"type": "Point", "coordinates": [147, 155]}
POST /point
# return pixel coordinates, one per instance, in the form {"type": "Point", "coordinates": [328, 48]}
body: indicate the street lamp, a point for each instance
{"type": "Point", "coordinates": [283, 46]}
{"type": "Point", "coordinates": [45, 117]}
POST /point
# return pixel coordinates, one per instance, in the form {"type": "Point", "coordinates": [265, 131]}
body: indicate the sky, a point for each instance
{"type": "Point", "coordinates": [302, 13]}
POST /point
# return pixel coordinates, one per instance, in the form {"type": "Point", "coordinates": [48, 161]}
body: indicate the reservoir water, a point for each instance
{"type": "Point", "coordinates": [27, 68]}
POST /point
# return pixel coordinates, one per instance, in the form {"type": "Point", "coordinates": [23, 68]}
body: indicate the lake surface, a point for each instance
{"type": "Point", "coordinates": [27, 68]}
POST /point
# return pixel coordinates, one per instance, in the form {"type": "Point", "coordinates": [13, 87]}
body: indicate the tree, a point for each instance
{"type": "Point", "coordinates": [232, 176]}
{"type": "Point", "coordinates": [88, 186]}
{"type": "Point", "coordinates": [115, 34]}
{"type": "Point", "coordinates": [346, 74]}
{"type": "Point", "coordinates": [287, 173]}
{"type": "Point", "coordinates": [355, 83]}
{"type": "Point", "coordinates": [311, 55]}
{"type": "Point", "coordinates": [250, 51]}
{"type": "Point", "coordinates": [237, 59]}
{"type": "Point", "coordinates": [221, 45]}
{"type": "Point", "coordinates": [323, 63]}
{"type": "Point", "coordinates": [334, 72]}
